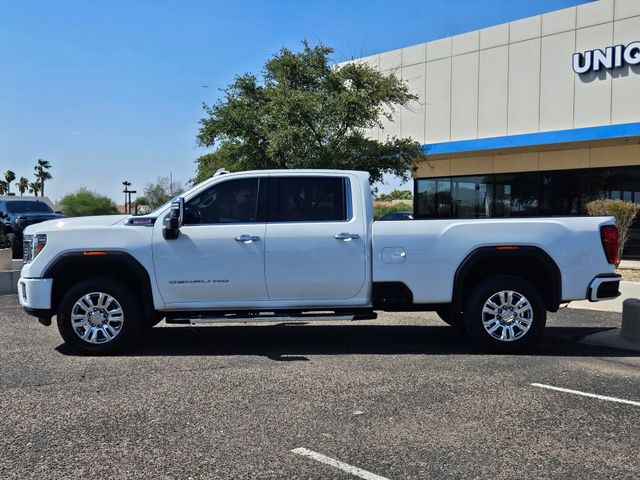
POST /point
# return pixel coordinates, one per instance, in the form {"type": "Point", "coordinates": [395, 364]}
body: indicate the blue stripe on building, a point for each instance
{"type": "Point", "coordinates": [535, 139]}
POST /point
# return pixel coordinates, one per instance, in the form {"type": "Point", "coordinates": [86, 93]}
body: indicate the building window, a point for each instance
{"type": "Point", "coordinates": [530, 194]}
{"type": "Point", "coordinates": [617, 183]}
{"type": "Point", "coordinates": [472, 197]}
{"type": "Point", "coordinates": [564, 193]}
{"type": "Point", "coordinates": [434, 197]}
{"type": "Point", "coordinates": [517, 194]}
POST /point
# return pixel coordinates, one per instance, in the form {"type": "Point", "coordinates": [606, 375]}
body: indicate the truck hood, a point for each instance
{"type": "Point", "coordinates": [77, 222]}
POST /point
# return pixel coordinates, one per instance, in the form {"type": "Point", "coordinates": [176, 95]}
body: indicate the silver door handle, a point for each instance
{"type": "Point", "coordinates": [346, 236]}
{"type": "Point", "coordinates": [246, 238]}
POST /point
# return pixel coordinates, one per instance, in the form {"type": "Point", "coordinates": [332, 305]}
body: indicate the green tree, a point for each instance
{"type": "Point", "coordinates": [140, 205]}
{"type": "Point", "coordinates": [381, 210]}
{"type": "Point", "coordinates": [395, 195]}
{"type": "Point", "coordinates": [85, 202]}
{"type": "Point", "coordinates": [140, 201]}
{"type": "Point", "coordinates": [42, 173]}
{"type": "Point", "coordinates": [3, 187]}
{"type": "Point", "coordinates": [34, 187]}
{"type": "Point", "coordinates": [9, 176]}
{"type": "Point", "coordinates": [22, 185]}
{"type": "Point", "coordinates": [303, 113]}
{"type": "Point", "coordinates": [160, 192]}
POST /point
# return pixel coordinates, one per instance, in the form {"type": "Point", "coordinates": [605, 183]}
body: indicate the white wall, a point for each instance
{"type": "Point", "coordinates": [517, 78]}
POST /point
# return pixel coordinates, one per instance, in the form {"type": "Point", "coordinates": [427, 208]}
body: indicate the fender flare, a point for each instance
{"type": "Point", "coordinates": [513, 251]}
{"type": "Point", "coordinates": [57, 266]}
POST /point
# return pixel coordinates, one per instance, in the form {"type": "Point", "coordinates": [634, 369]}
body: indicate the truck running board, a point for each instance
{"type": "Point", "coordinates": [244, 317]}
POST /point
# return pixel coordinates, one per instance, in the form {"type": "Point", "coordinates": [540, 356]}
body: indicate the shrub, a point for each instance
{"type": "Point", "coordinates": [84, 202]}
{"type": "Point", "coordinates": [624, 213]}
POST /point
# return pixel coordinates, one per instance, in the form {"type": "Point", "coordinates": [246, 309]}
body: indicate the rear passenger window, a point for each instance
{"type": "Point", "coordinates": [308, 199]}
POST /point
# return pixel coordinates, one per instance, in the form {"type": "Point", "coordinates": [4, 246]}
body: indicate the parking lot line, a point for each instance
{"type": "Point", "coordinates": [586, 394]}
{"type": "Point", "coordinates": [332, 462]}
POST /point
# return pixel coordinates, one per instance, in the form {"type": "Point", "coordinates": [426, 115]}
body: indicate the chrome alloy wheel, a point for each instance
{"type": "Point", "coordinates": [507, 315]}
{"type": "Point", "coordinates": [97, 317]}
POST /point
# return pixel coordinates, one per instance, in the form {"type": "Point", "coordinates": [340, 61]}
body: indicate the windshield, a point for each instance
{"type": "Point", "coordinates": [25, 206]}
{"type": "Point", "coordinates": [161, 207]}
{"type": "Point", "coordinates": [166, 204]}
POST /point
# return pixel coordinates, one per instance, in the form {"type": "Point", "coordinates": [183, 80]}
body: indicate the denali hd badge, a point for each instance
{"type": "Point", "coordinates": [613, 57]}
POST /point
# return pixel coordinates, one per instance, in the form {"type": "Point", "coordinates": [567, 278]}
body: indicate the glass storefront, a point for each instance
{"type": "Point", "coordinates": [531, 194]}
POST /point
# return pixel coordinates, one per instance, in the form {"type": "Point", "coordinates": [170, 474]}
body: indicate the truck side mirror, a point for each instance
{"type": "Point", "coordinates": [173, 221]}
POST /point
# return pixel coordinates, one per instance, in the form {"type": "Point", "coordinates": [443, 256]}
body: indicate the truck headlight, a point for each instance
{"type": "Point", "coordinates": [33, 245]}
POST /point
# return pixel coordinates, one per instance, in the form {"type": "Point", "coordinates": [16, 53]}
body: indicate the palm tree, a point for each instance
{"type": "Point", "coordinates": [35, 187]}
{"type": "Point", "coordinates": [22, 185]}
{"type": "Point", "coordinates": [42, 173]}
{"type": "Point", "coordinates": [9, 177]}
{"type": "Point", "coordinates": [3, 187]}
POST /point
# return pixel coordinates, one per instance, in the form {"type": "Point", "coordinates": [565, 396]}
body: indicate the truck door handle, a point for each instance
{"type": "Point", "coordinates": [246, 238]}
{"type": "Point", "coordinates": [346, 236]}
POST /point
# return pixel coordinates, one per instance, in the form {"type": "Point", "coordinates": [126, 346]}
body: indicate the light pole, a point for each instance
{"type": "Point", "coordinates": [127, 196]}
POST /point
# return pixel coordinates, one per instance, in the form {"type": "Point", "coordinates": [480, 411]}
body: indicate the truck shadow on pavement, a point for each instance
{"type": "Point", "coordinates": [288, 342]}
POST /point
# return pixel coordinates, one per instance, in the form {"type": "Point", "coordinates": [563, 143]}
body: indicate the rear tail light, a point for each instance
{"type": "Point", "coordinates": [610, 243]}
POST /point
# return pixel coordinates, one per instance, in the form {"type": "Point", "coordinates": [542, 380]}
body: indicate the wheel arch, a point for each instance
{"type": "Point", "coordinates": [529, 262]}
{"type": "Point", "coordinates": [72, 267]}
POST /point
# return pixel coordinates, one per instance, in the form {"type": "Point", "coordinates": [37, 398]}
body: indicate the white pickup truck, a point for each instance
{"type": "Point", "coordinates": [295, 245]}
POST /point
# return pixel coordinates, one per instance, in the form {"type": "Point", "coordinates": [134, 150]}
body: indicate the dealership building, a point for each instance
{"type": "Point", "coordinates": [535, 117]}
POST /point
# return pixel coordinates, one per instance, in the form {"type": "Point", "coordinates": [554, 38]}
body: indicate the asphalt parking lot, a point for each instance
{"type": "Point", "coordinates": [405, 397]}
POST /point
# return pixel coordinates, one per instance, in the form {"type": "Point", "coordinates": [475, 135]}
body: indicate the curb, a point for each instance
{"type": "Point", "coordinates": [9, 282]}
{"type": "Point", "coordinates": [629, 265]}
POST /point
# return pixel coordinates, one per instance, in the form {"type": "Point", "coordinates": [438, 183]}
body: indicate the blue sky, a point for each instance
{"type": "Point", "coordinates": [112, 90]}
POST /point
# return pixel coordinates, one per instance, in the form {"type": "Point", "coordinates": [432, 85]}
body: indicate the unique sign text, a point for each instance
{"type": "Point", "coordinates": [611, 58]}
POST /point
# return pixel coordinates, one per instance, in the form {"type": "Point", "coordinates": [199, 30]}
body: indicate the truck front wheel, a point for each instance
{"type": "Point", "coordinates": [99, 315]}
{"type": "Point", "coordinates": [505, 314]}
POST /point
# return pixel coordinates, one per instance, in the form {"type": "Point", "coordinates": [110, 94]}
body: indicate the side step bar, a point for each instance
{"type": "Point", "coordinates": [192, 318]}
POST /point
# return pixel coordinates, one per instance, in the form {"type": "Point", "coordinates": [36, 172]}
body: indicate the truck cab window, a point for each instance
{"type": "Point", "coordinates": [309, 199]}
{"type": "Point", "coordinates": [233, 201]}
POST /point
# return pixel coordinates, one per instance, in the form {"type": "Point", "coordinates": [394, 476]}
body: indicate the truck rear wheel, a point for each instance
{"type": "Point", "coordinates": [505, 314]}
{"type": "Point", "coordinates": [99, 315]}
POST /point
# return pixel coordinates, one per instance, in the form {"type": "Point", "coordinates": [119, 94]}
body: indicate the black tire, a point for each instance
{"type": "Point", "coordinates": [129, 327]}
{"type": "Point", "coordinates": [16, 248]}
{"type": "Point", "coordinates": [489, 289]}
{"type": "Point", "coordinates": [450, 317]}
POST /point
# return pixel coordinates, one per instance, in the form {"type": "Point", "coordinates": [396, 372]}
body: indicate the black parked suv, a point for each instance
{"type": "Point", "coordinates": [16, 215]}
